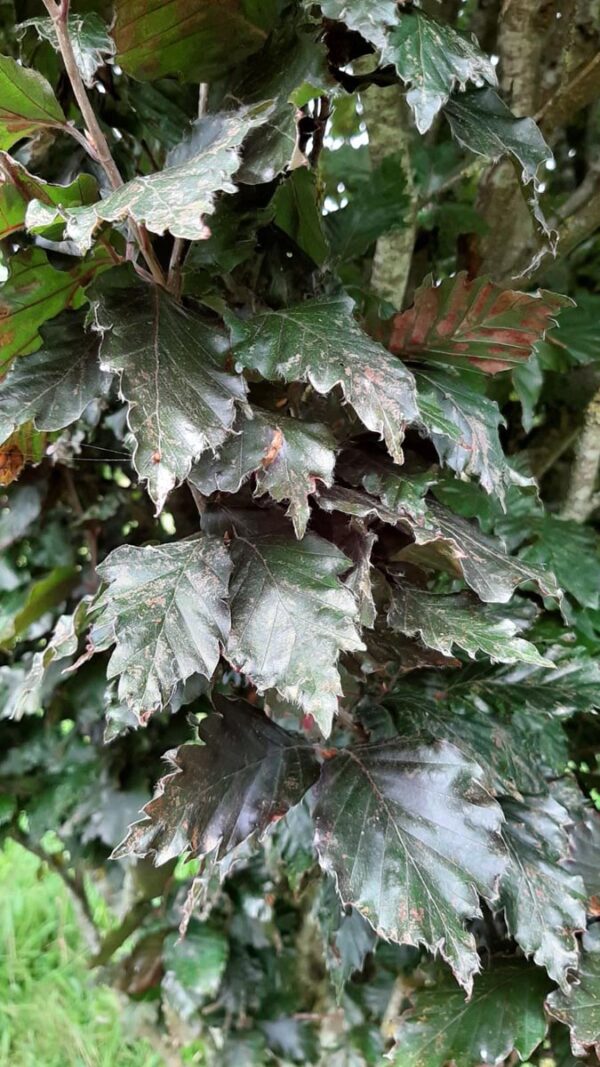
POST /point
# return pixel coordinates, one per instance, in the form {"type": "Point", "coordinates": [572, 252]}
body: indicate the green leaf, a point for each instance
{"type": "Point", "coordinates": [543, 902]}
{"type": "Point", "coordinates": [445, 621]}
{"type": "Point", "coordinates": [290, 615]}
{"type": "Point", "coordinates": [244, 776]}
{"type": "Point", "coordinates": [434, 60]}
{"type": "Point", "coordinates": [379, 204]}
{"type": "Point", "coordinates": [403, 492]}
{"type": "Point", "coordinates": [477, 451]}
{"type": "Point", "coordinates": [483, 123]}
{"type": "Point", "coordinates": [28, 697]}
{"type": "Point", "coordinates": [53, 386]}
{"type": "Point", "coordinates": [476, 321]}
{"type": "Point", "coordinates": [371, 21]}
{"type": "Point", "coordinates": [505, 1014]}
{"type": "Point", "coordinates": [584, 858]}
{"type": "Point", "coordinates": [572, 686]}
{"type": "Point", "coordinates": [21, 608]}
{"type": "Point", "coordinates": [197, 40]}
{"type": "Point", "coordinates": [92, 45]}
{"type": "Point", "coordinates": [349, 938]}
{"type": "Point", "coordinates": [286, 455]}
{"type": "Point", "coordinates": [411, 837]}
{"type": "Point", "coordinates": [23, 196]}
{"type": "Point", "coordinates": [319, 341]}
{"type": "Point", "coordinates": [298, 213]}
{"type": "Point", "coordinates": [194, 968]}
{"type": "Point", "coordinates": [570, 550]}
{"type": "Point", "coordinates": [36, 292]}
{"type": "Point", "coordinates": [461, 548]}
{"type": "Point", "coordinates": [179, 197]}
{"type": "Point", "coordinates": [27, 103]}
{"type": "Point", "coordinates": [152, 343]}
{"type": "Point", "coordinates": [165, 609]}
{"type": "Point", "coordinates": [579, 1007]}
{"type": "Point", "coordinates": [20, 509]}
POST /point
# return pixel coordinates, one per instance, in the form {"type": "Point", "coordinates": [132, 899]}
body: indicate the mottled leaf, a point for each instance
{"type": "Point", "coordinates": [92, 44]}
{"type": "Point", "coordinates": [475, 449]}
{"type": "Point", "coordinates": [194, 39]}
{"type": "Point", "coordinates": [179, 197]}
{"type": "Point", "coordinates": [411, 837]}
{"type": "Point", "coordinates": [290, 615]}
{"type": "Point", "coordinates": [180, 399]}
{"type": "Point", "coordinates": [460, 547]}
{"type": "Point", "coordinates": [505, 1014]}
{"type": "Point", "coordinates": [53, 386]}
{"type": "Point", "coordinates": [320, 342]}
{"type": "Point", "coordinates": [165, 608]}
{"type": "Point", "coordinates": [27, 103]}
{"type": "Point", "coordinates": [245, 775]}
{"type": "Point", "coordinates": [584, 857]}
{"type": "Point", "coordinates": [434, 59]}
{"type": "Point", "coordinates": [543, 902]}
{"type": "Point", "coordinates": [443, 621]}
{"type": "Point", "coordinates": [287, 455]}
{"type": "Point", "coordinates": [475, 321]}
{"type": "Point", "coordinates": [570, 687]}
{"type": "Point", "coordinates": [579, 1007]}
{"type": "Point", "coordinates": [370, 20]}
{"type": "Point", "coordinates": [194, 968]}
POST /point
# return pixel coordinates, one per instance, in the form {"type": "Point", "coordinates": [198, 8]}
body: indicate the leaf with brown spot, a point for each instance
{"type": "Point", "coordinates": [165, 608]}
{"type": "Point", "coordinates": [475, 321]}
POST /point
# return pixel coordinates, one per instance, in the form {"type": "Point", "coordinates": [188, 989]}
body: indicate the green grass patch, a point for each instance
{"type": "Point", "coordinates": [52, 1013]}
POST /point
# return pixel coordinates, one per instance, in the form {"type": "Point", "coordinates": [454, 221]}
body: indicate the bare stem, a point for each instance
{"type": "Point", "coordinates": [582, 498]}
{"type": "Point", "coordinates": [59, 13]}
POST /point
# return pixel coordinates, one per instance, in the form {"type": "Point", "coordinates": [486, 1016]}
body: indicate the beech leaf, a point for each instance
{"type": "Point", "coordinates": [544, 903]}
{"type": "Point", "coordinates": [411, 837]}
{"type": "Point", "coordinates": [165, 609]}
{"type": "Point", "coordinates": [504, 1015]}
{"type": "Point", "coordinates": [150, 341]}
{"type": "Point", "coordinates": [247, 773]}
{"type": "Point", "coordinates": [443, 621]}
{"type": "Point", "coordinates": [476, 321]}
{"type": "Point", "coordinates": [290, 615]}
{"type": "Point", "coordinates": [27, 103]}
{"type": "Point", "coordinates": [579, 1006]}
{"type": "Point", "coordinates": [287, 456]}
{"type": "Point", "coordinates": [320, 342]}
{"type": "Point", "coordinates": [53, 386]}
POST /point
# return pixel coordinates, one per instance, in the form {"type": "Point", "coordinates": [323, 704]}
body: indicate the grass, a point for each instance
{"type": "Point", "coordinates": [52, 1014]}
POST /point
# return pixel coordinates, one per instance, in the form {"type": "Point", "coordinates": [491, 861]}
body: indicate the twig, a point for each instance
{"type": "Point", "coordinates": [90, 533]}
{"type": "Point", "coordinates": [178, 254]}
{"type": "Point", "coordinates": [74, 885]}
{"type": "Point", "coordinates": [59, 13]}
{"type": "Point", "coordinates": [117, 937]}
{"type": "Point", "coordinates": [320, 121]}
{"type": "Point", "coordinates": [582, 499]}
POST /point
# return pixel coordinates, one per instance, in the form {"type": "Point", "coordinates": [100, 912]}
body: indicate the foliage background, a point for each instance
{"type": "Point", "coordinates": [272, 968]}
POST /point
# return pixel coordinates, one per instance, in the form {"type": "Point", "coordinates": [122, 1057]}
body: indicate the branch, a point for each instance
{"type": "Point", "coordinates": [582, 499]}
{"type": "Point", "coordinates": [117, 937]}
{"type": "Point", "coordinates": [385, 110]}
{"type": "Point", "coordinates": [74, 885]}
{"type": "Point", "coordinates": [59, 13]}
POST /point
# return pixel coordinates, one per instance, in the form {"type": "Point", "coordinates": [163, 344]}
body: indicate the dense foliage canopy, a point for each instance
{"type": "Point", "coordinates": [300, 424]}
